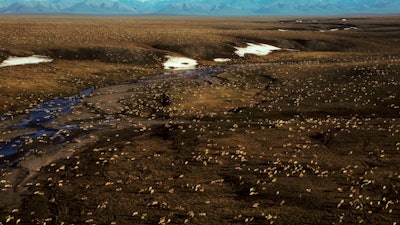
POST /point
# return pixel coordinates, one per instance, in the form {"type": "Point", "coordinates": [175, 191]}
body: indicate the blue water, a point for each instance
{"type": "Point", "coordinates": [48, 111]}
{"type": "Point", "coordinates": [12, 150]}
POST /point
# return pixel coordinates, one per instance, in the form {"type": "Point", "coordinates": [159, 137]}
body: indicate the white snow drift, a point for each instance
{"type": "Point", "coordinates": [15, 61]}
{"type": "Point", "coordinates": [222, 60]}
{"type": "Point", "coordinates": [179, 63]}
{"type": "Point", "coordinates": [256, 49]}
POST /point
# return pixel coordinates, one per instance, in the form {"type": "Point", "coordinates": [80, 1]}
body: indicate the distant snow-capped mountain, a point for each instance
{"type": "Point", "coordinates": [34, 7]}
{"type": "Point", "coordinates": [201, 7]}
{"type": "Point", "coordinates": [101, 7]}
{"type": "Point", "coordinates": [77, 7]}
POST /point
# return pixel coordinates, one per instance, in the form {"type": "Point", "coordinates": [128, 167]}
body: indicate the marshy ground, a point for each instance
{"type": "Point", "coordinates": [309, 136]}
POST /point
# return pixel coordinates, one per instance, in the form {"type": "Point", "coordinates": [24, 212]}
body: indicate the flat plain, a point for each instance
{"type": "Point", "coordinates": [305, 135]}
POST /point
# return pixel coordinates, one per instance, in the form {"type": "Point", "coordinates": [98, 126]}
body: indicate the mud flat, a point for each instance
{"type": "Point", "coordinates": [294, 137]}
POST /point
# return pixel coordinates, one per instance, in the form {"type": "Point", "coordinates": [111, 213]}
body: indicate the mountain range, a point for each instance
{"type": "Point", "coordinates": [201, 7]}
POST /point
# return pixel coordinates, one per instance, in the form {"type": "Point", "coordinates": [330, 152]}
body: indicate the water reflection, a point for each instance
{"type": "Point", "coordinates": [16, 148]}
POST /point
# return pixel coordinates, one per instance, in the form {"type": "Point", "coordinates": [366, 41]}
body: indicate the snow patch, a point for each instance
{"type": "Point", "coordinates": [222, 60]}
{"type": "Point", "coordinates": [337, 29]}
{"type": "Point", "coordinates": [179, 63]}
{"type": "Point", "coordinates": [256, 49]}
{"type": "Point", "coordinates": [16, 61]}
{"type": "Point", "coordinates": [283, 30]}
{"type": "Point", "coordinates": [351, 28]}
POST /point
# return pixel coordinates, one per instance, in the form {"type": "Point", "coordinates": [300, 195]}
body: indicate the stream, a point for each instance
{"type": "Point", "coordinates": [13, 150]}
{"type": "Point", "coordinates": [34, 132]}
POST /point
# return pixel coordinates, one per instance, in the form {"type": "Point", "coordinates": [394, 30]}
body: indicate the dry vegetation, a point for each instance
{"type": "Point", "coordinates": [127, 43]}
{"type": "Point", "coordinates": [295, 137]}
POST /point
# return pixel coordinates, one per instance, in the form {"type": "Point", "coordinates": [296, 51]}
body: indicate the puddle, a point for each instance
{"type": "Point", "coordinates": [16, 61]}
{"type": "Point", "coordinates": [179, 63]}
{"type": "Point", "coordinates": [256, 49]}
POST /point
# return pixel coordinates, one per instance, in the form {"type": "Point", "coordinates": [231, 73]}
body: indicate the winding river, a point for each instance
{"type": "Point", "coordinates": [35, 132]}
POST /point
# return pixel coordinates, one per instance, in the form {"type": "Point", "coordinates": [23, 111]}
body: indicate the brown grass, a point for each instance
{"type": "Point", "coordinates": [295, 137]}
{"type": "Point", "coordinates": [140, 41]}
